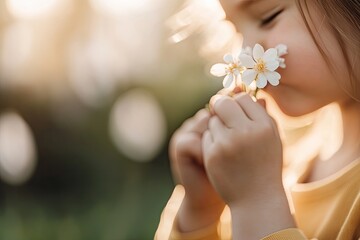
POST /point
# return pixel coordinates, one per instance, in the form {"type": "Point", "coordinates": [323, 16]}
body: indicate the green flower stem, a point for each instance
{"type": "Point", "coordinates": [256, 91]}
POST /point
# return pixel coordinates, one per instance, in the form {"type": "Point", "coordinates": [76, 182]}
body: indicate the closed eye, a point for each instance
{"type": "Point", "coordinates": [268, 20]}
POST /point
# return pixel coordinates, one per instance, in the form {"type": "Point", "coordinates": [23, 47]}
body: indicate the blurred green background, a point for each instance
{"type": "Point", "coordinates": [90, 93]}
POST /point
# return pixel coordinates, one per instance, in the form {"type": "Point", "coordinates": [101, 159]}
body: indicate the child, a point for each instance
{"type": "Point", "coordinates": [233, 155]}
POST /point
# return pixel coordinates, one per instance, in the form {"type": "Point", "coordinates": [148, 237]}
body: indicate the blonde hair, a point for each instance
{"type": "Point", "coordinates": [343, 19]}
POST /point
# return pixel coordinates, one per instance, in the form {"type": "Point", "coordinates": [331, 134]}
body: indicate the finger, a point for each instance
{"type": "Point", "coordinates": [186, 151]}
{"type": "Point", "coordinates": [212, 102]}
{"type": "Point", "coordinates": [252, 109]}
{"type": "Point", "coordinates": [188, 147]}
{"type": "Point", "coordinates": [217, 128]}
{"type": "Point", "coordinates": [207, 142]}
{"type": "Point", "coordinates": [201, 114]}
{"type": "Point", "coordinates": [230, 113]}
{"type": "Point", "coordinates": [223, 92]}
{"type": "Point", "coordinates": [199, 123]}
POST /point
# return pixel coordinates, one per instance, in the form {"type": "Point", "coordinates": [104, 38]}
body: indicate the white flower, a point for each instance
{"type": "Point", "coordinates": [247, 50]}
{"type": "Point", "coordinates": [281, 50]}
{"type": "Point", "coordinates": [252, 69]}
{"type": "Point", "coordinates": [261, 67]}
{"type": "Point", "coordinates": [231, 70]}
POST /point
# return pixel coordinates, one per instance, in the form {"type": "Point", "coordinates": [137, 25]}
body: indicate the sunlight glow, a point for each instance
{"type": "Point", "coordinates": [138, 125]}
{"type": "Point", "coordinates": [222, 36]}
{"type": "Point", "coordinates": [15, 52]}
{"type": "Point", "coordinates": [169, 213]}
{"type": "Point", "coordinates": [195, 16]}
{"type": "Point", "coordinates": [17, 149]}
{"type": "Point", "coordinates": [31, 8]}
{"type": "Point", "coordinates": [115, 7]}
{"type": "Point", "coordinates": [333, 139]}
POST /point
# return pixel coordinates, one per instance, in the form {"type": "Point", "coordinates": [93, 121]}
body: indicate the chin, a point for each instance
{"type": "Point", "coordinates": [289, 105]}
{"type": "Point", "coordinates": [296, 108]}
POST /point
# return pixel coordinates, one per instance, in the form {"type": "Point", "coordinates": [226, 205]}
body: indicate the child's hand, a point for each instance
{"type": "Point", "coordinates": [242, 151]}
{"type": "Point", "coordinates": [201, 206]}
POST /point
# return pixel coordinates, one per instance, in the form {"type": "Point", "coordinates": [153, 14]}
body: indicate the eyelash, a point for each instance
{"type": "Point", "coordinates": [268, 20]}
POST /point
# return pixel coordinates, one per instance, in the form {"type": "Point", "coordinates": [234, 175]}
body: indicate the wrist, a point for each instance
{"type": "Point", "coordinates": [194, 217]}
{"type": "Point", "coordinates": [255, 218]}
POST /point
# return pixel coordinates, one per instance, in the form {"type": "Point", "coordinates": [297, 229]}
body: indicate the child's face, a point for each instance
{"type": "Point", "coordinates": [307, 82]}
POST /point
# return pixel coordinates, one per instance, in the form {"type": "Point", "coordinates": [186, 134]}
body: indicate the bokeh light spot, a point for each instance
{"type": "Point", "coordinates": [138, 125]}
{"type": "Point", "coordinates": [97, 64]}
{"type": "Point", "coordinates": [17, 149]}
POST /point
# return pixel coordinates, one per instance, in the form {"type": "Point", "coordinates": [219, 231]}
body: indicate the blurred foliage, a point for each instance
{"type": "Point", "coordinates": [83, 187]}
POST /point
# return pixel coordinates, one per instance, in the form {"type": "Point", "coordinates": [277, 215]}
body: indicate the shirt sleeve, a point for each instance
{"type": "Point", "coordinates": [212, 233]}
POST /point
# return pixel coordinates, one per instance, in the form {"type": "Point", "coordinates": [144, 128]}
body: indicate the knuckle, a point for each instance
{"type": "Point", "coordinates": [203, 113]}
{"type": "Point", "coordinates": [183, 143]}
{"type": "Point", "coordinates": [187, 123]}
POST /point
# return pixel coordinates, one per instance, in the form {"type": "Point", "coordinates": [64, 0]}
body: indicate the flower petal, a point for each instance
{"type": "Point", "coordinates": [248, 76]}
{"type": "Point", "coordinates": [228, 80]}
{"type": "Point", "coordinates": [273, 78]}
{"type": "Point", "coordinates": [270, 55]}
{"type": "Point", "coordinates": [258, 51]}
{"type": "Point", "coordinates": [228, 58]}
{"type": "Point", "coordinates": [281, 49]}
{"type": "Point", "coordinates": [282, 62]}
{"type": "Point", "coordinates": [282, 65]}
{"type": "Point", "coordinates": [247, 61]}
{"type": "Point", "coordinates": [272, 65]}
{"type": "Point", "coordinates": [218, 69]}
{"type": "Point", "coordinates": [247, 50]}
{"type": "Point", "coordinates": [261, 81]}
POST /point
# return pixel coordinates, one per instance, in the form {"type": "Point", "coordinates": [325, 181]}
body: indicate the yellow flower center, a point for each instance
{"type": "Point", "coordinates": [260, 66]}
{"type": "Point", "coordinates": [232, 67]}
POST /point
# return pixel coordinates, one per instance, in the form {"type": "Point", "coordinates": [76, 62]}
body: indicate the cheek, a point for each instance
{"type": "Point", "coordinates": [304, 62]}
{"type": "Point", "coordinates": [306, 68]}
{"type": "Point", "coordinates": [306, 83]}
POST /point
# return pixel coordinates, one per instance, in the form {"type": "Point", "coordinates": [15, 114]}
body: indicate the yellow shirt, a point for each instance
{"type": "Point", "coordinates": [328, 209]}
